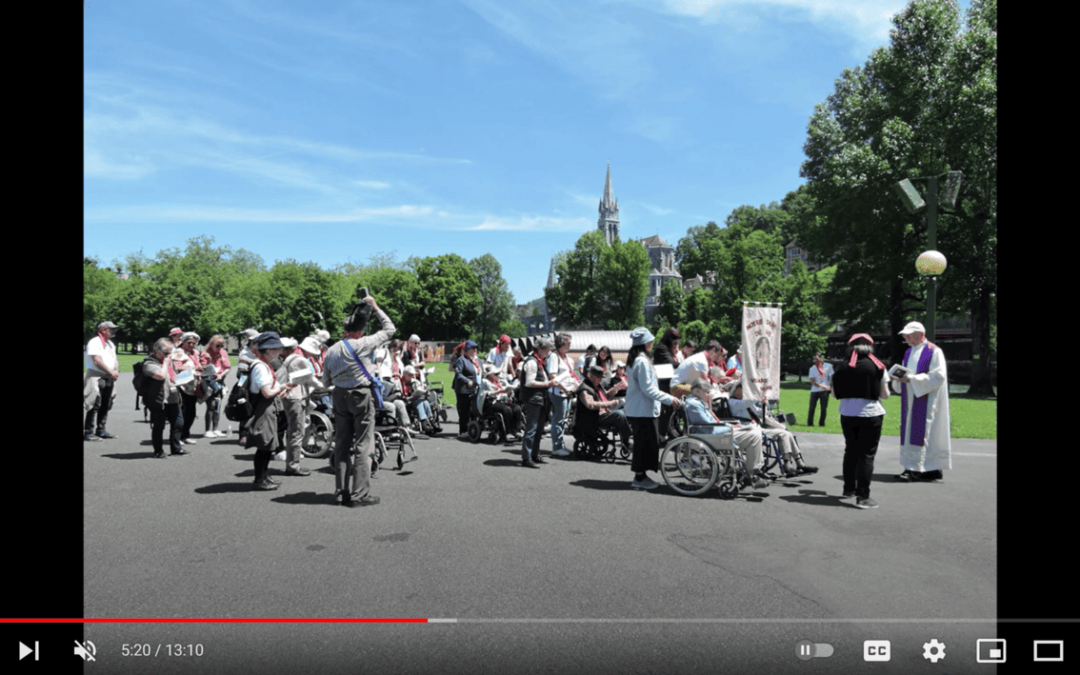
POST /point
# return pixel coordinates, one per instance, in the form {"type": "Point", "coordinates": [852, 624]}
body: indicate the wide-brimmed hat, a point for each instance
{"type": "Point", "coordinates": [730, 387]}
{"type": "Point", "coordinates": [489, 369]}
{"type": "Point", "coordinates": [189, 336]}
{"type": "Point", "coordinates": [641, 336]}
{"type": "Point", "coordinates": [310, 345]}
{"type": "Point", "coordinates": [409, 370]}
{"type": "Point", "coordinates": [620, 364]}
{"type": "Point", "coordinates": [322, 336]}
{"type": "Point", "coordinates": [913, 327]}
{"type": "Point", "coordinates": [267, 340]}
{"type": "Point", "coordinates": [288, 343]}
{"type": "Point", "coordinates": [358, 318]}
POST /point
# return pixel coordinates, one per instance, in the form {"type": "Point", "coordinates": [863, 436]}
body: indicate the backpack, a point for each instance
{"type": "Point", "coordinates": [138, 379]}
{"type": "Point", "coordinates": [239, 408]}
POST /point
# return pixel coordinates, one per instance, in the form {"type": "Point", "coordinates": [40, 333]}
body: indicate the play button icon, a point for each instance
{"type": "Point", "coordinates": [25, 651]}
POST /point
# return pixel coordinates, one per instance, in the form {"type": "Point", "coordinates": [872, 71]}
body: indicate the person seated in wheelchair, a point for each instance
{"type": "Point", "coordinates": [596, 410]}
{"type": "Point", "coordinates": [396, 412]}
{"type": "Point", "coordinates": [753, 411]}
{"type": "Point", "coordinates": [416, 398]}
{"type": "Point", "coordinates": [496, 396]}
{"type": "Point", "coordinates": [703, 422]}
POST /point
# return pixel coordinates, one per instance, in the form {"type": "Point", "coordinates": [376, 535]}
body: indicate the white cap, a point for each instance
{"type": "Point", "coordinates": [913, 327]}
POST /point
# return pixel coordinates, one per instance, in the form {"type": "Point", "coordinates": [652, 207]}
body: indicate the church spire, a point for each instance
{"type": "Point", "coordinates": [609, 211]}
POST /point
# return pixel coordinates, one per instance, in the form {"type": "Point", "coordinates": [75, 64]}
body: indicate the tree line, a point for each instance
{"type": "Point", "coordinates": [211, 289]}
{"type": "Point", "coordinates": [922, 106]}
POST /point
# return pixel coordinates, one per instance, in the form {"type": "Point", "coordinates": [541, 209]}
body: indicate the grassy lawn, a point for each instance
{"type": "Point", "coordinates": [969, 417]}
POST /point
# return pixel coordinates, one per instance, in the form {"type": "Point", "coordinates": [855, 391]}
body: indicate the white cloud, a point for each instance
{"type": "Point", "coordinates": [141, 214]}
{"type": "Point", "coordinates": [533, 224]}
{"type": "Point", "coordinates": [373, 184]}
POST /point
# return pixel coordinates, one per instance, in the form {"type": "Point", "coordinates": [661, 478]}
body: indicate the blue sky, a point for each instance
{"type": "Point", "coordinates": [328, 131]}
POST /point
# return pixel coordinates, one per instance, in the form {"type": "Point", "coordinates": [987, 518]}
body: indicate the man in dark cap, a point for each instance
{"type": "Point", "coordinates": [596, 410]}
{"type": "Point", "coordinates": [350, 369]}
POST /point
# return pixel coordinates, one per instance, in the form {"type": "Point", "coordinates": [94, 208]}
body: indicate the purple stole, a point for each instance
{"type": "Point", "coordinates": [918, 423]}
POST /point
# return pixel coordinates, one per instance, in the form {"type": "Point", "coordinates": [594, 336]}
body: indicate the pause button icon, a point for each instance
{"type": "Point", "coordinates": [806, 650]}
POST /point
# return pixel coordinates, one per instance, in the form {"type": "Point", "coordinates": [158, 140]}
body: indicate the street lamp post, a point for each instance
{"type": "Point", "coordinates": [914, 203]}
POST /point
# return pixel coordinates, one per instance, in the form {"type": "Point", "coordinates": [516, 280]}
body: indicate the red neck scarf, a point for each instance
{"type": "Point", "coordinates": [821, 369]}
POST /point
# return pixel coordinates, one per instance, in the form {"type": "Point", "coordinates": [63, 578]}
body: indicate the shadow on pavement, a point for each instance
{"type": "Point", "coordinates": [622, 485]}
{"type": "Point", "coordinates": [132, 455]}
{"type": "Point", "coordinates": [323, 499]}
{"type": "Point", "coordinates": [816, 498]}
{"type": "Point", "coordinates": [504, 462]}
{"type": "Point", "coordinates": [224, 488]}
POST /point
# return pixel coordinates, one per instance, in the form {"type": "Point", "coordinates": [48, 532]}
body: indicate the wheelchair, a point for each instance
{"type": "Point", "coordinates": [707, 457]}
{"type": "Point", "coordinates": [439, 406]}
{"type": "Point", "coordinates": [599, 443]}
{"type": "Point", "coordinates": [487, 422]}
{"type": "Point", "coordinates": [390, 435]}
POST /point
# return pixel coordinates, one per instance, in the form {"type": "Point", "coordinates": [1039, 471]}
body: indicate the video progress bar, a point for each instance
{"type": "Point", "coordinates": [543, 620]}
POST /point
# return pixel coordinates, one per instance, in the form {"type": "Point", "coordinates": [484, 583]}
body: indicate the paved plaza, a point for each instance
{"type": "Point", "coordinates": [562, 568]}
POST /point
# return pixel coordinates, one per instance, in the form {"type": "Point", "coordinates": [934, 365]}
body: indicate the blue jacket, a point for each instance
{"type": "Point", "coordinates": [464, 373]}
{"type": "Point", "coordinates": [643, 395]}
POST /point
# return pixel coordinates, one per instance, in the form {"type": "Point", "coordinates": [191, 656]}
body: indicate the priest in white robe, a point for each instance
{"type": "Point", "coordinates": [925, 438]}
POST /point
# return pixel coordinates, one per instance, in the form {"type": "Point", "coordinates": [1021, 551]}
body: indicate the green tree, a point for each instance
{"type": "Point", "coordinates": [299, 293]}
{"type": "Point", "coordinates": [908, 113]}
{"type": "Point", "coordinates": [575, 299]}
{"type": "Point", "coordinates": [449, 296]}
{"type": "Point", "coordinates": [101, 290]}
{"type": "Point", "coordinates": [672, 302]}
{"type": "Point", "coordinates": [624, 283]}
{"type": "Point", "coordinates": [396, 290]}
{"type": "Point", "coordinates": [699, 304]}
{"type": "Point", "coordinates": [799, 333]}
{"type": "Point", "coordinates": [496, 301]}
{"type": "Point", "coordinates": [696, 331]}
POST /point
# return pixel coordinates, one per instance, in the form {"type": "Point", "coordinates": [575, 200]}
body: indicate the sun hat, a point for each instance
{"type": "Point", "coordinates": [288, 343]}
{"type": "Point", "coordinates": [250, 334]}
{"type": "Point", "coordinates": [641, 336]}
{"type": "Point", "coordinates": [620, 364]}
{"type": "Point", "coordinates": [310, 345]}
{"type": "Point", "coordinates": [414, 338]}
{"type": "Point", "coordinates": [175, 331]}
{"type": "Point", "coordinates": [913, 327]}
{"type": "Point", "coordinates": [322, 335]}
{"type": "Point", "coordinates": [190, 335]}
{"type": "Point", "coordinates": [409, 370]}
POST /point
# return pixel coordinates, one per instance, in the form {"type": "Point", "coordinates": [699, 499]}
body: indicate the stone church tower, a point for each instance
{"type": "Point", "coordinates": [609, 212]}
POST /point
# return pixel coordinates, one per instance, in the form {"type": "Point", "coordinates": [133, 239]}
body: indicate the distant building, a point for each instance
{"type": "Point", "coordinates": [793, 252]}
{"type": "Point", "coordinates": [662, 256]}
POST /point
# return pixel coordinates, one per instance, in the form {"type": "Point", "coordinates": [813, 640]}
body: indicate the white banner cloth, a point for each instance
{"type": "Point", "coordinates": [761, 352]}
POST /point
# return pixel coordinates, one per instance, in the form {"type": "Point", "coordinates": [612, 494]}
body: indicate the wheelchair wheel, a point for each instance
{"type": "Point", "coordinates": [380, 449]}
{"type": "Point", "coordinates": [689, 466]}
{"type": "Point", "coordinates": [624, 451]}
{"type": "Point", "coordinates": [677, 424]}
{"type": "Point", "coordinates": [580, 449]}
{"type": "Point", "coordinates": [609, 451]}
{"type": "Point", "coordinates": [319, 436]}
{"type": "Point", "coordinates": [729, 487]}
{"type": "Point", "coordinates": [474, 430]}
{"type": "Point", "coordinates": [770, 455]}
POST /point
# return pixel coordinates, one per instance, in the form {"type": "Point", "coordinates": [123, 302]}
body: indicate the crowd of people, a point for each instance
{"type": "Point", "coordinates": [282, 378]}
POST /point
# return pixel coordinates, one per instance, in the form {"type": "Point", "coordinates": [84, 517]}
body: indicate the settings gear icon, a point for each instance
{"type": "Point", "coordinates": [933, 650]}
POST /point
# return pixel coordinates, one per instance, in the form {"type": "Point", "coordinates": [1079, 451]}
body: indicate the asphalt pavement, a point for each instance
{"type": "Point", "coordinates": [565, 568]}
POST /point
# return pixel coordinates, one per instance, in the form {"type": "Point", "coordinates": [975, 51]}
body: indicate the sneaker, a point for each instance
{"type": "Point", "coordinates": [865, 503]}
{"type": "Point", "coordinates": [279, 456]}
{"type": "Point", "coordinates": [106, 434]}
{"type": "Point", "coordinates": [561, 452]}
{"type": "Point", "coordinates": [265, 485]}
{"type": "Point", "coordinates": [91, 437]}
{"type": "Point", "coordinates": [644, 484]}
{"type": "Point", "coordinates": [189, 441]}
{"type": "Point", "coordinates": [363, 501]}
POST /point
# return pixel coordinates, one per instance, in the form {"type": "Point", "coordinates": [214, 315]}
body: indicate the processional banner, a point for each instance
{"type": "Point", "coordinates": [761, 352]}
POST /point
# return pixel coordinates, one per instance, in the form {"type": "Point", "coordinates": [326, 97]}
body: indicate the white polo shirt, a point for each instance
{"type": "Point", "coordinates": [106, 351]}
